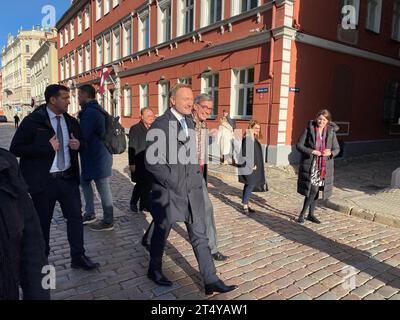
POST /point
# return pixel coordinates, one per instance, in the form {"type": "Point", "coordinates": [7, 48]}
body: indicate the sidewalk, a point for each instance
{"type": "Point", "coordinates": [362, 186]}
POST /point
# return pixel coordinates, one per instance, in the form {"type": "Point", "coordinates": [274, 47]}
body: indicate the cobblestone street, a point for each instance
{"type": "Point", "coordinates": [271, 256]}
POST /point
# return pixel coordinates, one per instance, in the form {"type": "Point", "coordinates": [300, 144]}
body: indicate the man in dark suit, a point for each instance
{"type": "Point", "coordinates": [177, 189]}
{"type": "Point", "coordinates": [137, 150]}
{"type": "Point", "coordinates": [48, 142]}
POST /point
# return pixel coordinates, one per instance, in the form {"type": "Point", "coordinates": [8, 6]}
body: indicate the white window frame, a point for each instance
{"type": "Point", "coordinates": [161, 20]}
{"type": "Point", "coordinates": [116, 47]}
{"type": "Point", "coordinates": [127, 101]}
{"type": "Point", "coordinates": [115, 3]}
{"type": "Point", "coordinates": [127, 51]}
{"type": "Point", "coordinates": [396, 21]}
{"type": "Point", "coordinates": [144, 96]}
{"type": "Point", "coordinates": [61, 39]}
{"type": "Point", "coordinates": [143, 16]}
{"type": "Point", "coordinates": [62, 70]}
{"type": "Point", "coordinates": [73, 65]}
{"type": "Point", "coordinates": [87, 17]}
{"type": "Point", "coordinates": [163, 105]}
{"type": "Point", "coordinates": [236, 6]}
{"type": "Point", "coordinates": [374, 15]}
{"type": "Point", "coordinates": [67, 67]}
{"type": "Point", "coordinates": [182, 9]}
{"type": "Point", "coordinates": [99, 52]}
{"type": "Point", "coordinates": [99, 5]}
{"type": "Point", "coordinates": [88, 59]}
{"type": "Point", "coordinates": [106, 7]}
{"type": "Point", "coordinates": [235, 88]}
{"type": "Point", "coordinates": [212, 91]}
{"type": "Point", "coordinates": [66, 35]}
{"type": "Point", "coordinates": [185, 80]}
{"type": "Point", "coordinates": [107, 48]}
{"type": "Point", "coordinates": [72, 29]}
{"type": "Point", "coordinates": [80, 61]}
{"type": "Point", "coordinates": [206, 12]}
{"type": "Point", "coordinates": [79, 23]}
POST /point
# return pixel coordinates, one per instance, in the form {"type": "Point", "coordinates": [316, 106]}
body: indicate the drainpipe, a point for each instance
{"type": "Point", "coordinates": [272, 42]}
{"type": "Point", "coordinates": [271, 70]}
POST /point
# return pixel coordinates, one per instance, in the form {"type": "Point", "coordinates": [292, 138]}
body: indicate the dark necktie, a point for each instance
{"type": "Point", "coordinates": [60, 152]}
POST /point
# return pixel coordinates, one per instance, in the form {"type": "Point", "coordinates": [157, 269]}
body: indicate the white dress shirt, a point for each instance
{"type": "Point", "coordinates": [67, 156]}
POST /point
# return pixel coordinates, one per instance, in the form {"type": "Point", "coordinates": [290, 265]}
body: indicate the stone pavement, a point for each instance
{"type": "Point", "coordinates": [271, 256]}
{"type": "Point", "coordinates": [362, 186]}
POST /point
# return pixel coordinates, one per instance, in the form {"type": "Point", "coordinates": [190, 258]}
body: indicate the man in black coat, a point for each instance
{"type": "Point", "coordinates": [137, 150]}
{"type": "Point", "coordinates": [48, 142]}
{"type": "Point", "coordinates": [22, 256]}
{"type": "Point", "coordinates": [177, 189]}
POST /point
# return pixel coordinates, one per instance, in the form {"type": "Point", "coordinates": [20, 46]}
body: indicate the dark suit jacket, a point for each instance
{"type": "Point", "coordinates": [31, 144]}
{"type": "Point", "coordinates": [137, 151]}
{"type": "Point", "coordinates": [177, 191]}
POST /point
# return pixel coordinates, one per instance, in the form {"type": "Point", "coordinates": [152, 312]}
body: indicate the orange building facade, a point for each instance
{"type": "Point", "coordinates": [278, 62]}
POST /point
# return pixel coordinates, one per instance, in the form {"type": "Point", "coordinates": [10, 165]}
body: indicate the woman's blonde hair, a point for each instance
{"type": "Point", "coordinates": [325, 113]}
{"type": "Point", "coordinates": [250, 130]}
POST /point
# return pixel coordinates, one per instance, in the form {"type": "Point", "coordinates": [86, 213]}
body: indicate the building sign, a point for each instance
{"type": "Point", "coordinates": [294, 89]}
{"type": "Point", "coordinates": [262, 90]}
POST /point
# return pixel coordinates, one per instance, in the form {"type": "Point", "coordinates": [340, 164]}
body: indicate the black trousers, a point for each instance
{"type": "Point", "coordinates": [66, 192]}
{"type": "Point", "coordinates": [199, 242]}
{"type": "Point", "coordinates": [141, 192]}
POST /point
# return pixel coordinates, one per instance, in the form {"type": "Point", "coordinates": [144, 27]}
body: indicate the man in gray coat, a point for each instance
{"type": "Point", "coordinates": [177, 189]}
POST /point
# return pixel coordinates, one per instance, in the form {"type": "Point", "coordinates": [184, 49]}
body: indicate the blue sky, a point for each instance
{"type": "Point", "coordinates": [25, 13]}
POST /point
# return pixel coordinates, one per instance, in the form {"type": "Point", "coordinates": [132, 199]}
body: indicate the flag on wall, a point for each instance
{"type": "Point", "coordinates": [104, 75]}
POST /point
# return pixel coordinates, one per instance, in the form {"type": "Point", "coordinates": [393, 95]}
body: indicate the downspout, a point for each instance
{"type": "Point", "coordinates": [271, 72]}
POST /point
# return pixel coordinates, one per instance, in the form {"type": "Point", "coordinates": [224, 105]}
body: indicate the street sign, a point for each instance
{"type": "Point", "coordinates": [18, 109]}
{"type": "Point", "coordinates": [294, 89]}
{"type": "Point", "coordinates": [262, 90]}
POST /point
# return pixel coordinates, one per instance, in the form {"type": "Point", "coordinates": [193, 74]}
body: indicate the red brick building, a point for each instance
{"type": "Point", "coordinates": [275, 61]}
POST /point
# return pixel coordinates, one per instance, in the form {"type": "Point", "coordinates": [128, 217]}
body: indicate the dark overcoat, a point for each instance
{"type": "Point", "coordinates": [306, 145]}
{"type": "Point", "coordinates": [177, 188]}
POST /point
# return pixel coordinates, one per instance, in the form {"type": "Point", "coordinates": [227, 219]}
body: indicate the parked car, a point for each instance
{"type": "Point", "coordinates": [3, 119]}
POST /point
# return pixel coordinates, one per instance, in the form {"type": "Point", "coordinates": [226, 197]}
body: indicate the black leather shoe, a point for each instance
{"type": "Point", "coordinates": [252, 210]}
{"type": "Point", "coordinates": [85, 263]}
{"type": "Point", "coordinates": [159, 278]}
{"type": "Point", "coordinates": [219, 257]}
{"type": "Point", "coordinates": [313, 219]}
{"type": "Point", "coordinates": [218, 287]}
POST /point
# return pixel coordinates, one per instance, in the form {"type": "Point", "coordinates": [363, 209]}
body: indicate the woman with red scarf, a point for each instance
{"type": "Point", "coordinates": [318, 146]}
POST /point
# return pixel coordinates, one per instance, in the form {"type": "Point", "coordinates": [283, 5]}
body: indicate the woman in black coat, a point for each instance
{"type": "Point", "coordinates": [252, 173]}
{"type": "Point", "coordinates": [319, 146]}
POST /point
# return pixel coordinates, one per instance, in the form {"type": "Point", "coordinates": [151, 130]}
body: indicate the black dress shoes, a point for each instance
{"type": "Point", "coordinates": [84, 262]}
{"type": "Point", "coordinates": [218, 287]}
{"type": "Point", "coordinates": [159, 278]}
{"type": "Point", "coordinates": [313, 219]}
{"type": "Point", "coordinates": [219, 257]}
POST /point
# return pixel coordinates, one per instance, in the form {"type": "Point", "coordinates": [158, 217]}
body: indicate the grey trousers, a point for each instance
{"type": "Point", "coordinates": [210, 221]}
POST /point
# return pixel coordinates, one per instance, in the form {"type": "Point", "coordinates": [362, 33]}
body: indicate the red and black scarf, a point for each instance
{"type": "Point", "coordinates": [320, 145]}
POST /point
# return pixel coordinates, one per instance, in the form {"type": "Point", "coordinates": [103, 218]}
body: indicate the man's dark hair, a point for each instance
{"type": "Point", "coordinates": [89, 90]}
{"type": "Point", "coordinates": [53, 90]}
